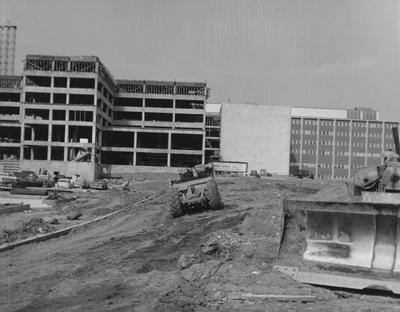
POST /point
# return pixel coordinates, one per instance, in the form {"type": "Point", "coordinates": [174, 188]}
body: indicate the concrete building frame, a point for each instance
{"type": "Point", "coordinates": [70, 110]}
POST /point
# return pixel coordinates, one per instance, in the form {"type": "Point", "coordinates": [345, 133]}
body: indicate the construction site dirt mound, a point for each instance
{"type": "Point", "coordinates": [332, 192]}
{"type": "Point", "coordinates": [33, 227]}
{"type": "Point", "coordinates": [142, 260]}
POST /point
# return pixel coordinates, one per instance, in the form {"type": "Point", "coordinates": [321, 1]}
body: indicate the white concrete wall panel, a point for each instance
{"type": "Point", "coordinates": [257, 134]}
{"type": "Point", "coordinates": [318, 112]}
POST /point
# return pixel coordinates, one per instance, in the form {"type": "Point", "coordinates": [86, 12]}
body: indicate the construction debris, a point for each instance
{"type": "Point", "coordinates": [61, 197]}
{"type": "Point", "coordinates": [33, 227]}
{"type": "Point", "coordinates": [29, 191]}
{"type": "Point", "coordinates": [51, 220]}
{"type": "Point", "coordinates": [11, 207]}
{"type": "Point", "coordinates": [74, 215]}
{"type": "Point", "coordinates": [118, 184]}
{"type": "Point", "coordinates": [208, 261]}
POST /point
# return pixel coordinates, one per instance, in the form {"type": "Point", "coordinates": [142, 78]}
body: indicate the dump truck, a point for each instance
{"type": "Point", "coordinates": [194, 188]}
{"type": "Point", "coordinates": [350, 244]}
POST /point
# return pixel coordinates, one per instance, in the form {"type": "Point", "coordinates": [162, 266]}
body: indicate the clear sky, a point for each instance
{"type": "Point", "coordinates": [313, 53]}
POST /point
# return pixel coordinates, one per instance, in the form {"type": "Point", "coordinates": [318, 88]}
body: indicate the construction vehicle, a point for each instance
{"type": "Point", "coordinates": [351, 244]}
{"type": "Point", "coordinates": [254, 173]}
{"type": "Point", "coordinates": [192, 189]}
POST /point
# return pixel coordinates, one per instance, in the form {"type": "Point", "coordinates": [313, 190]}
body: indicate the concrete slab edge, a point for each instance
{"type": "Point", "coordinates": [65, 231]}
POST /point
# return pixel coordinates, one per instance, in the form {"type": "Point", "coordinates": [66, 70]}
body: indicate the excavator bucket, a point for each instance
{"type": "Point", "coordinates": [341, 244]}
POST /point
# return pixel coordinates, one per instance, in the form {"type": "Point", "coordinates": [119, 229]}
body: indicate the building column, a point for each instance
{"type": "Point", "coordinates": [22, 118]}
{"type": "Point", "coordinates": [173, 113]}
{"type": "Point", "coordinates": [350, 147]}
{"type": "Point", "coordinates": [301, 143]}
{"type": "Point", "coordinates": [143, 112]}
{"type": "Point", "coordinates": [169, 150]}
{"type": "Point", "coordinates": [366, 142]}
{"type": "Point", "coordinates": [383, 141]}
{"type": "Point", "coordinates": [50, 134]}
{"type": "Point", "coordinates": [134, 147]}
{"type": "Point", "coordinates": [334, 148]}
{"type": "Point", "coordinates": [66, 135]}
{"type": "Point", "coordinates": [203, 156]}
{"type": "Point", "coordinates": [317, 152]}
{"type": "Point", "coordinates": [93, 141]}
{"type": "Point", "coordinates": [67, 92]}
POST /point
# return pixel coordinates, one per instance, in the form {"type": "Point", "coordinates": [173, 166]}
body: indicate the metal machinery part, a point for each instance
{"type": "Point", "coordinates": [351, 244]}
{"type": "Point", "coordinates": [343, 244]}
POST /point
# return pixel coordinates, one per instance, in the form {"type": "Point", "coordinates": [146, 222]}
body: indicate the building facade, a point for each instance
{"type": "Point", "coordinates": [256, 134]}
{"type": "Point", "coordinates": [336, 148]}
{"type": "Point", "coordinates": [328, 143]}
{"type": "Point", "coordinates": [70, 113]}
{"type": "Point", "coordinates": [8, 34]}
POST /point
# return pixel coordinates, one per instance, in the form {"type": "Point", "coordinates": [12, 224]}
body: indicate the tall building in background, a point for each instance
{"type": "Point", "coordinates": [332, 143]}
{"type": "Point", "coordinates": [362, 113]}
{"type": "Point", "coordinates": [8, 34]}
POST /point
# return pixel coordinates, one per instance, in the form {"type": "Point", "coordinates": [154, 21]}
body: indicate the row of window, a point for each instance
{"type": "Point", "coordinates": [376, 145]}
{"type": "Point", "coordinates": [359, 124]}
{"type": "Point", "coordinates": [337, 153]}
{"type": "Point", "coordinates": [326, 123]}
{"type": "Point", "coordinates": [341, 166]}
{"type": "Point", "coordinates": [324, 165]}
{"type": "Point", "coordinates": [311, 122]}
{"type": "Point", "coordinates": [322, 142]}
{"type": "Point", "coordinates": [323, 132]}
{"type": "Point", "coordinates": [388, 135]}
{"type": "Point", "coordinates": [338, 143]}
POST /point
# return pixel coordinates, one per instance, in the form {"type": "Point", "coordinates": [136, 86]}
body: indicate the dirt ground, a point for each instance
{"type": "Point", "coordinates": [142, 260]}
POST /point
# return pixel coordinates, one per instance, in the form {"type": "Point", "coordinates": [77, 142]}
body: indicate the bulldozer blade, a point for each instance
{"type": "Point", "coordinates": [342, 244]}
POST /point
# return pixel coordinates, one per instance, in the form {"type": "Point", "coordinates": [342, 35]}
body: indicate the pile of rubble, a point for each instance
{"type": "Point", "coordinates": [32, 227]}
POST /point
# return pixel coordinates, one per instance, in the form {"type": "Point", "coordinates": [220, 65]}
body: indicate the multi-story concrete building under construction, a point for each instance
{"type": "Point", "coordinates": [69, 114]}
{"type": "Point", "coordinates": [8, 34]}
{"type": "Point", "coordinates": [213, 132]}
{"type": "Point", "coordinates": [332, 144]}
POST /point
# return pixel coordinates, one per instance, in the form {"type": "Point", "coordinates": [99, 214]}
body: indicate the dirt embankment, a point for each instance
{"type": "Point", "coordinates": [143, 260]}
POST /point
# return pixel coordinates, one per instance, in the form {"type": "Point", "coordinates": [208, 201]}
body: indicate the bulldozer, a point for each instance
{"type": "Point", "coordinates": [194, 188]}
{"type": "Point", "coordinates": [348, 244]}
